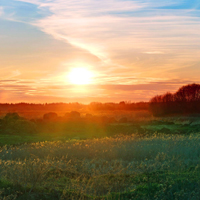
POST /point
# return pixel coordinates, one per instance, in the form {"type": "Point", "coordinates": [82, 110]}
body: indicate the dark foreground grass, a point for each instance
{"type": "Point", "coordinates": [163, 185]}
{"type": "Point", "coordinates": [126, 167]}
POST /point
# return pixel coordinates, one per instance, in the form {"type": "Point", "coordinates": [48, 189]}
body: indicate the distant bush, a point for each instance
{"type": "Point", "coordinates": [74, 114]}
{"type": "Point", "coordinates": [11, 117]}
{"type": "Point", "coordinates": [88, 116]}
{"type": "Point", "coordinates": [112, 120]}
{"type": "Point", "coordinates": [13, 124]}
{"type": "Point", "coordinates": [123, 120]}
{"type": "Point", "coordinates": [51, 116]}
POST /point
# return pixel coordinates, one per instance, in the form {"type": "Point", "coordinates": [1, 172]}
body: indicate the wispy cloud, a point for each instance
{"type": "Point", "coordinates": [154, 52]}
{"type": "Point", "coordinates": [109, 28]}
{"type": "Point", "coordinates": [1, 10]}
{"type": "Point", "coordinates": [18, 90]}
{"type": "Point", "coordinates": [116, 25]}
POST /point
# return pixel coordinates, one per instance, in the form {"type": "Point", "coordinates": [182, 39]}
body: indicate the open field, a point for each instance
{"type": "Point", "coordinates": [73, 131]}
{"type": "Point", "coordinates": [17, 131]}
{"type": "Point", "coordinates": [94, 158]}
{"type": "Point", "coordinates": [126, 167]}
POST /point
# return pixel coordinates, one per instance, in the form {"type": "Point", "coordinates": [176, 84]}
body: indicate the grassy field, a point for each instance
{"type": "Point", "coordinates": [126, 167]}
{"type": "Point", "coordinates": [56, 131]}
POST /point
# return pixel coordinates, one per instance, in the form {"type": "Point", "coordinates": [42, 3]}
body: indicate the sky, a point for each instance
{"type": "Point", "coordinates": [135, 49]}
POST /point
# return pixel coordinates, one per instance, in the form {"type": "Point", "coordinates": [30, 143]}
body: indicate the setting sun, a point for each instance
{"type": "Point", "coordinates": [80, 76]}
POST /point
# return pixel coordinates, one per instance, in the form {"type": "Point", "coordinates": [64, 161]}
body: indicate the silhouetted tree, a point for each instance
{"type": "Point", "coordinates": [185, 100]}
{"type": "Point", "coordinates": [168, 97]}
{"type": "Point", "coordinates": [156, 99]}
{"type": "Point", "coordinates": [188, 93]}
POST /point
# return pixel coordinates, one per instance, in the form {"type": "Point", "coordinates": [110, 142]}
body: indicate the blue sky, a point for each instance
{"type": "Point", "coordinates": [124, 43]}
{"type": "Point", "coordinates": [22, 11]}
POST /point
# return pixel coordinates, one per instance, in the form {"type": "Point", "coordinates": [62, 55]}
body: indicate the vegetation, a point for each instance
{"type": "Point", "coordinates": [126, 167]}
{"type": "Point", "coordinates": [30, 110]}
{"type": "Point", "coordinates": [185, 100]}
{"type": "Point", "coordinates": [113, 154]}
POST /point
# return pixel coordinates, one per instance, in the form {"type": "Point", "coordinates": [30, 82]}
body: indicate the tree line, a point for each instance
{"type": "Point", "coordinates": [93, 106]}
{"type": "Point", "coordinates": [185, 100]}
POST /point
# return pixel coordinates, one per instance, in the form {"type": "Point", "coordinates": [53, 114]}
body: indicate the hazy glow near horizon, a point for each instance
{"type": "Point", "coordinates": [80, 76]}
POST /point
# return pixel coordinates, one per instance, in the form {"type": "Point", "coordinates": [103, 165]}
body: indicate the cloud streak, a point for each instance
{"type": "Point", "coordinates": [1, 10]}
{"type": "Point", "coordinates": [109, 28]}
{"type": "Point", "coordinates": [116, 25]}
{"type": "Point", "coordinates": [17, 90]}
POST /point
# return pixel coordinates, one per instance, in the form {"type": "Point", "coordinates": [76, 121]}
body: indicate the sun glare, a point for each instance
{"type": "Point", "coordinates": [80, 76]}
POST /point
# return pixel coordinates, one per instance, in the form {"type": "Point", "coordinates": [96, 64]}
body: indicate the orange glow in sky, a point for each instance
{"type": "Point", "coordinates": [102, 51]}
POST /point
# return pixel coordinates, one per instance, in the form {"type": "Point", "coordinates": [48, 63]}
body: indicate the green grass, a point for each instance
{"type": "Point", "coordinates": [68, 131]}
{"type": "Point", "coordinates": [157, 185]}
{"type": "Point", "coordinates": [125, 167]}
{"type": "Point", "coordinates": [53, 131]}
{"type": "Point", "coordinates": [172, 129]}
{"type": "Point", "coordinates": [18, 140]}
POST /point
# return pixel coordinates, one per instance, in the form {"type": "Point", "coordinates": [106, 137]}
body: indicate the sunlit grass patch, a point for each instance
{"type": "Point", "coordinates": [115, 168]}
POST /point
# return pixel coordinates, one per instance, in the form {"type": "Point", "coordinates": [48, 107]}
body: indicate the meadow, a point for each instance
{"type": "Point", "coordinates": [124, 167]}
{"type": "Point", "coordinates": [142, 158]}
